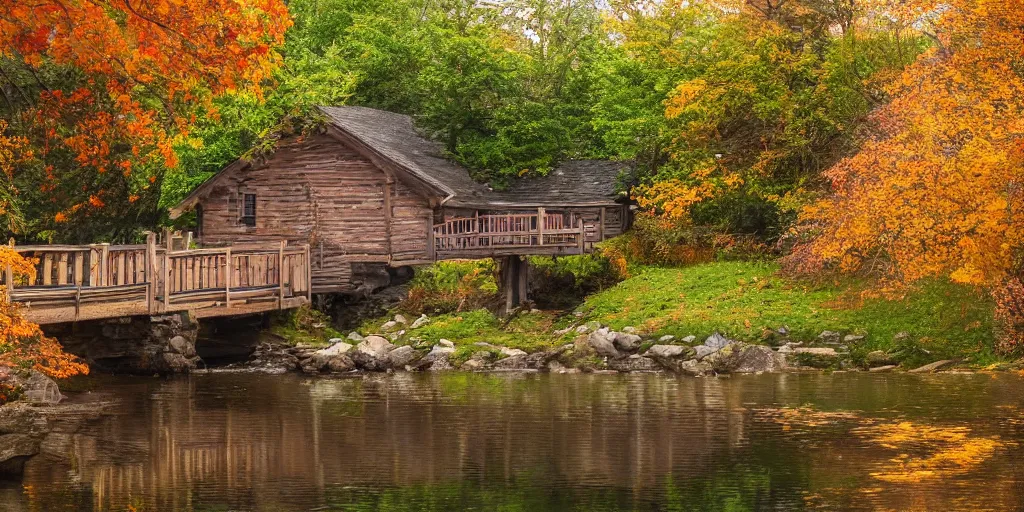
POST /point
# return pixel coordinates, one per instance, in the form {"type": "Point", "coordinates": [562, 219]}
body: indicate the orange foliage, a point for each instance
{"type": "Point", "coordinates": [937, 191]}
{"type": "Point", "coordinates": [22, 343]}
{"type": "Point", "coordinates": [145, 67]}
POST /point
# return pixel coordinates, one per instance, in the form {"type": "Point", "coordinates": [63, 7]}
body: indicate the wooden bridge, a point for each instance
{"type": "Point", "coordinates": [88, 282]}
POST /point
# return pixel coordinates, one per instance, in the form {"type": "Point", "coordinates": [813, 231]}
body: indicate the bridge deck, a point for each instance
{"type": "Point", "coordinates": [107, 281]}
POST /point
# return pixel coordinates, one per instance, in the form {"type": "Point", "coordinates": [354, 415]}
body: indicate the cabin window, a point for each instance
{"type": "Point", "coordinates": [249, 209]}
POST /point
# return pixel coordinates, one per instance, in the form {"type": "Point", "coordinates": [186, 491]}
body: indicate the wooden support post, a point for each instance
{"type": "Point", "coordinates": [151, 271]}
{"type": "Point", "coordinates": [431, 249]}
{"type": "Point", "coordinates": [188, 241]}
{"type": "Point", "coordinates": [62, 269]}
{"type": "Point", "coordinates": [280, 276]}
{"type": "Point", "coordinates": [47, 269]}
{"type": "Point", "coordinates": [229, 274]}
{"type": "Point", "coordinates": [309, 277]}
{"type": "Point", "coordinates": [79, 269]}
{"type": "Point", "coordinates": [583, 236]}
{"type": "Point", "coordinates": [600, 226]}
{"type": "Point", "coordinates": [104, 256]}
{"type": "Point", "coordinates": [541, 215]}
{"type": "Point", "coordinates": [522, 279]}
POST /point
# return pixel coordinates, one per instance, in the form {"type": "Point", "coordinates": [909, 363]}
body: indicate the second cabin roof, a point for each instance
{"type": "Point", "coordinates": [395, 137]}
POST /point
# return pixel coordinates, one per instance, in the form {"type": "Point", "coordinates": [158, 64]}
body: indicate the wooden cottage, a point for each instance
{"type": "Point", "coordinates": [371, 192]}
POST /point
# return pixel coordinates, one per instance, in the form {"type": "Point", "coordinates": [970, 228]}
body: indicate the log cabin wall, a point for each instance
{"type": "Point", "coordinates": [319, 191]}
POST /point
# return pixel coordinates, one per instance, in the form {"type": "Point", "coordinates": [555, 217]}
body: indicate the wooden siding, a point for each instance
{"type": "Point", "coordinates": [319, 191]}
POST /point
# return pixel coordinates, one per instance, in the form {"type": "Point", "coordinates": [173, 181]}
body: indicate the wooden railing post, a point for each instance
{"type": "Point", "coordinates": [166, 274]}
{"type": "Point", "coordinates": [229, 274]}
{"type": "Point", "coordinates": [151, 272]}
{"type": "Point", "coordinates": [104, 253]}
{"type": "Point", "coordinates": [541, 217]}
{"type": "Point", "coordinates": [280, 275]}
{"type": "Point", "coordinates": [583, 236]}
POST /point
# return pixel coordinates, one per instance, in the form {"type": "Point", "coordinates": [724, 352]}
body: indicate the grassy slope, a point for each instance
{"type": "Point", "coordinates": [744, 300]}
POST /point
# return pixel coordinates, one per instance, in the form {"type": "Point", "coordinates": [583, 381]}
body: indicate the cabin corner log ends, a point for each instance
{"type": "Point", "coordinates": [90, 282]}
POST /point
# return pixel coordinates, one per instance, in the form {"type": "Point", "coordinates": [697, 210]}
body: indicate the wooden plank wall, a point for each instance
{"type": "Point", "coordinates": [319, 191]}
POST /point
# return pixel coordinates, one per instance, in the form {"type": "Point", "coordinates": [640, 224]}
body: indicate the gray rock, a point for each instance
{"type": "Point", "coordinates": [717, 341]}
{"type": "Point", "coordinates": [473, 365]}
{"type": "Point", "coordinates": [388, 326]}
{"type": "Point", "coordinates": [783, 331]}
{"type": "Point", "coordinates": [512, 352]}
{"type": "Point", "coordinates": [515, 362]}
{"type": "Point", "coordinates": [689, 339]}
{"type": "Point", "coordinates": [593, 325]}
{"type": "Point", "coordinates": [355, 336]}
{"type": "Point", "coordinates": [816, 357]}
{"type": "Point", "coordinates": [172, 362]}
{"type": "Point", "coordinates": [375, 345]}
{"type": "Point", "coordinates": [15, 449]}
{"type": "Point", "coordinates": [436, 359]}
{"type": "Point", "coordinates": [421, 321]}
{"type": "Point", "coordinates": [931, 367]}
{"type": "Point", "coordinates": [369, 361]}
{"type": "Point", "coordinates": [702, 351]}
{"type": "Point", "coordinates": [883, 369]}
{"type": "Point", "coordinates": [181, 345]}
{"type": "Point", "coordinates": [40, 389]}
{"type": "Point", "coordinates": [337, 349]}
{"type": "Point", "coordinates": [339, 363]}
{"type": "Point", "coordinates": [878, 358]}
{"type": "Point", "coordinates": [582, 329]}
{"type": "Point", "coordinates": [603, 343]}
{"type": "Point", "coordinates": [635, 363]}
{"type": "Point", "coordinates": [445, 343]}
{"type": "Point", "coordinates": [817, 351]}
{"type": "Point", "coordinates": [626, 342]}
{"type": "Point", "coordinates": [400, 319]}
{"type": "Point", "coordinates": [691, 367]}
{"type": "Point", "coordinates": [852, 338]}
{"type": "Point", "coordinates": [829, 337]}
{"type": "Point", "coordinates": [727, 359]}
{"type": "Point", "coordinates": [758, 359]}
{"type": "Point", "coordinates": [666, 338]}
{"type": "Point", "coordinates": [629, 329]}
{"type": "Point", "coordinates": [670, 351]}
{"type": "Point", "coordinates": [403, 356]}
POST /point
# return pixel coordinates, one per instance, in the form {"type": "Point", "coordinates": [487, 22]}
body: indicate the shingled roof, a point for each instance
{"type": "Point", "coordinates": [393, 136]}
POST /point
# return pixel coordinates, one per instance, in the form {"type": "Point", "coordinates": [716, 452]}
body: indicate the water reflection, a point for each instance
{"type": "Point", "coordinates": [541, 442]}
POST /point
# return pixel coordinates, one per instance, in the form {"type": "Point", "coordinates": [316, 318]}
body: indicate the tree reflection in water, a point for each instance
{"type": "Point", "coordinates": [528, 442]}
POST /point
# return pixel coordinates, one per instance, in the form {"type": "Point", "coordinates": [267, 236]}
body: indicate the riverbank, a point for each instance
{"type": "Point", "coordinates": [680, 320]}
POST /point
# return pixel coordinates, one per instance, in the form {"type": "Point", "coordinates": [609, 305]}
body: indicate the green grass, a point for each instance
{"type": "Point", "coordinates": [748, 301]}
{"type": "Point", "coordinates": [530, 332]}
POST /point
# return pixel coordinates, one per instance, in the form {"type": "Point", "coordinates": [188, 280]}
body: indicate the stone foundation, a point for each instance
{"type": "Point", "coordinates": [138, 345]}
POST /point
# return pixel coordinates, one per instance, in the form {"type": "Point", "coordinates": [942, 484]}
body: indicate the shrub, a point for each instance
{"type": "Point", "coordinates": [450, 286]}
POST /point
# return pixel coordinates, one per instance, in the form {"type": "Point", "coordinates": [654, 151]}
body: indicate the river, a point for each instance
{"type": "Point", "coordinates": [538, 442]}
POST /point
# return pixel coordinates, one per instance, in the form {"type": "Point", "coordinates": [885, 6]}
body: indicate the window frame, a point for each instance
{"type": "Point", "coordinates": [245, 219]}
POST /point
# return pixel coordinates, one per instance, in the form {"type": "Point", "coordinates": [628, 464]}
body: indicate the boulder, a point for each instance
{"type": "Point", "coordinates": [355, 336]}
{"type": "Point", "coordinates": [816, 357]}
{"type": "Point", "coordinates": [603, 343]}
{"type": "Point", "coordinates": [629, 329]}
{"type": "Point", "coordinates": [670, 351]}
{"type": "Point", "coordinates": [689, 339]}
{"type": "Point", "coordinates": [180, 345]}
{"type": "Point", "coordinates": [512, 352]}
{"type": "Point", "coordinates": [375, 345]}
{"type": "Point", "coordinates": [829, 337]}
{"type": "Point", "coordinates": [388, 326]}
{"type": "Point", "coordinates": [403, 356]}
{"type": "Point", "coordinates": [15, 449]}
{"type": "Point", "coordinates": [369, 361]}
{"type": "Point", "coordinates": [702, 351]}
{"type": "Point", "coordinates": [436, 359]}
{"type": "Point", "coordinates": [668, 338]}
{"type": "Point", "coordinates": [339, 364]}
{"type": "Point", "coordinates": [477, 361]}
{"type": "Point", "coordinates": [445, 343]}
{"type": "Point", "coordinates": [626, 342]}
{"type": "Point", "coordinates": [758, 359]}
{"type": "Point", "coordinates": [690, 367]}
{"type": "Point", "coordinates": [400, 319]}
{"type": "Point", "coordinates": [717, 341]}
{"type": "Point", "coordinates": [635, 363]}
{"type": "Point", "coordinates": [931, 367]}
{"type": "Point", "coordinates": [540, 360]}
{"type": "Point", "coordinates": [852, 338]}
{"type": "Point", "coordinates": [173, 362]}
{"type": "Point", "coordinates": [40, 389]}
{"type": "Point", "coordinates": [727, 359]}
{"type": "Point", "coordinates": [582, 329]}
{"type": "Point", "coordinates": [592, 325]}
{"type": "Point", "coordinates": [420, 322]}
{"type": "Point", "coordinates": [516, 362]}
{"type": "Point", "coordinates": [879, 358]}
{"type": "Point", "coordinates": [337, 349]}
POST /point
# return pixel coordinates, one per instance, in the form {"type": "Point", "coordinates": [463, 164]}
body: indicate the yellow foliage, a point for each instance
{"type": "Point", "coordinates": [22, 343]}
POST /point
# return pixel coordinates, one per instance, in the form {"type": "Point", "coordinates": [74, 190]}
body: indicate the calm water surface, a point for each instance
{"type": "Point", "coordinates": [222, 442]}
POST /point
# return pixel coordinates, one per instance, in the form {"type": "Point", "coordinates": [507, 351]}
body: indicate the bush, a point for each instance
{"type": "Point", "coordinates": [451, 286]}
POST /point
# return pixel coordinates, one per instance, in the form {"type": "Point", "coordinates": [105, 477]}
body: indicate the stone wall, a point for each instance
{"type": "Point", "coordinates": [138, 345]}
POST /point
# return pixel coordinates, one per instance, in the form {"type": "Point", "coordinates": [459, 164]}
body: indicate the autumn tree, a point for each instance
{"type": "Point", "coordinates": [936, 190]}
{"type": "Point", "coordinates": [98, 93]}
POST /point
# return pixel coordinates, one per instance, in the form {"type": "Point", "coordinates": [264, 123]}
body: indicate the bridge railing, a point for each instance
{"type": "Point", "coordinates": [526, 233]}
{"type": "Point", "coordinates": [106, 281]}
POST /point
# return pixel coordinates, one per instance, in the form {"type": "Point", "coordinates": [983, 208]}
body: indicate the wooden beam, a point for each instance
{"type": "Point", "coordinates": [229, 274]}
{"type": "Point", "coordinates": [280, 276]}
{"type": "Point", "coordinates": [541, 217]}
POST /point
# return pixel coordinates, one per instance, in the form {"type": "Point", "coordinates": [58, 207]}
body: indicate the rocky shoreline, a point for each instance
{"type": "Point", "coordinates": [595, 348]}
